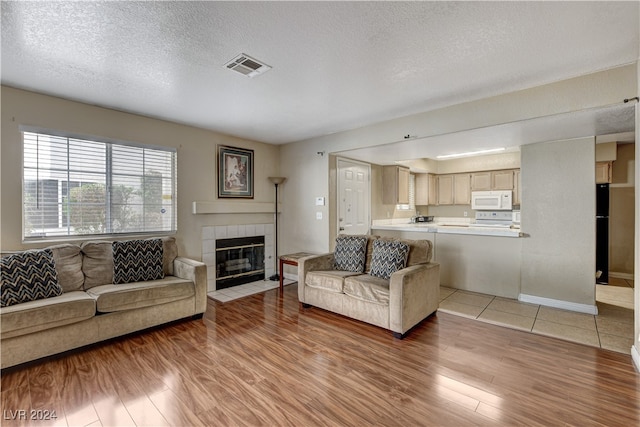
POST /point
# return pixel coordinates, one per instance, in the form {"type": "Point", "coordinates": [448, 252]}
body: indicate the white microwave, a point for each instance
{"type": "Point", "coordinates": [492, 200]}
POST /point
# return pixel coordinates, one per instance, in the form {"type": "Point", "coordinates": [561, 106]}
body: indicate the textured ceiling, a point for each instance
{"type": "Point", "coordinates": [336, 65]}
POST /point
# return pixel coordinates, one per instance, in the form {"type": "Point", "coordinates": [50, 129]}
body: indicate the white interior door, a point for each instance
{"type": "Point", "coordinates": [354, 189]}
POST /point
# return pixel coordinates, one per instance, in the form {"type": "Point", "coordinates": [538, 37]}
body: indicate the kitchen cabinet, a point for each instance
{"type": "Point", "coordinates": [481, 181]}
{"type": "Point", "coordinates": [395, 185]}
{"type": "Point", "coordinates": [502, 180]}
{"type": "Point", "coordinates": [462, 189]}
{"type": "Point", "coordinates": [517, 188]}
{"type": "Point", "coordinates": [603, 172]}
{"type": "Point", "coordinates": [492, 180]}
{"type": "Point", "coordinates": [422, 189]}
{"type": "Point", "coordinates": [445, 190]}
{"type": "Point", "coordinates": [433, 190]}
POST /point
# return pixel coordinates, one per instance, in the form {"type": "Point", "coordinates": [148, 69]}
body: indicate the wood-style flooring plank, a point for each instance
{"type": "Point", "coordinates": [265, 361]}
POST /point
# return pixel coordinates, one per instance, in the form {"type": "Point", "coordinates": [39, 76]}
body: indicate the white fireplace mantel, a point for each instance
{"type": "Point", "coordinates": [233, 207]}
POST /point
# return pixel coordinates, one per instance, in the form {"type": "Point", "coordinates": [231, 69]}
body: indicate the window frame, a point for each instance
{"type": "Point", "coordinates": [109, 143]}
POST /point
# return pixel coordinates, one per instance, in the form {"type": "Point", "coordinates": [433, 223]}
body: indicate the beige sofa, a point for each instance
{"type": "Point", "coordinates": [398, 303]}
{"type": "Point", "coordinates": [91, 308]}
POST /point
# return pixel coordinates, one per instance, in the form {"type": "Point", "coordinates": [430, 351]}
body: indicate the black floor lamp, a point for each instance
{"type": "Point", "coordinates": [276, 180]}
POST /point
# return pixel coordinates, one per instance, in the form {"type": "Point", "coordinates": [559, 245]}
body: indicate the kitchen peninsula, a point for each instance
{"type": "Point", "coordinates": [478, 259]}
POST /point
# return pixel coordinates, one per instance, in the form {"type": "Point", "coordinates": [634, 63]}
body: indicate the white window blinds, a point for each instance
{"type": "Point", "coordinates": [78, 187]}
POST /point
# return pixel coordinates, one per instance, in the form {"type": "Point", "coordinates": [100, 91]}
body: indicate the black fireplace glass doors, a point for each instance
{"type": "Point", "coordinates": [239, 260]}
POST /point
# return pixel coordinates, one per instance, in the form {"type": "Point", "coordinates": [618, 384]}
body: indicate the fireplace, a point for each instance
{"type": "Point", "coordinates": [239, 260]}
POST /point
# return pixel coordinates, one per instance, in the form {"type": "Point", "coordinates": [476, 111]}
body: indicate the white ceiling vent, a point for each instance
{"type": "Point", "coordinates": [246, 65]}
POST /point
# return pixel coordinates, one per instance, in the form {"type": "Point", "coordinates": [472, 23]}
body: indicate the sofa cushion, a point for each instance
{"type": "Point", "coordinates": [110, 298]}
{"type": "Point", "coordinates": [68, 261]}
{"type": "Point", "coordinates": [350, 253]}
{"type": "Point", "coordinates": [328, 280]}
{"type": "Point", "coordinates": [97, 263]}
{"type": "Point", "coordinates": [28, 276]}
{"type": "Point", "coordinates": [169, 254]}
{"type": "Point", "coordinates": [34, 316]}
{"type": "Point", "coordinates": [137, 260]}
{"type": "Point", "coordinates": [388, 257]}
{"type": "Point", "coordinates": [368, 288]}
{"type": "Point", "coordinates": [420, 251]}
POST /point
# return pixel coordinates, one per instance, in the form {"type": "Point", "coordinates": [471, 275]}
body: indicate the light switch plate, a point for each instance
{"type": "Point", "coordinates": [319, 201]}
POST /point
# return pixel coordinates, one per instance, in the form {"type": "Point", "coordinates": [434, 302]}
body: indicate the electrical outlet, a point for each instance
{"type": "Point", "coordinates": [318, 215]}
{"type": "Point", "coordinates": [466, 214]}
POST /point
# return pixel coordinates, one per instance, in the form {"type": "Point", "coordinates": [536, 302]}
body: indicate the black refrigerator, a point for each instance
{"type": "Point", "coordinates": [602, 233]}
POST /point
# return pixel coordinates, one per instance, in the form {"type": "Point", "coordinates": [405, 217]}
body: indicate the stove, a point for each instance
{"type": "Point", "coordinates": [494, 219]}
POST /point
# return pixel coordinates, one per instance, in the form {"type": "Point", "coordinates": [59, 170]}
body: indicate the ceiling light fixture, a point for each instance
{"type": "Point", "coordinates": [471, 153]}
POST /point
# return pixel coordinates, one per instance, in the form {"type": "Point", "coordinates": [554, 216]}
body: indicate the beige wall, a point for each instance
{"type": "Point", "coordinates": [196, 160]}
{"type": "Point", "coordinates": [558, 215]}
{"type": "Point", "coordinates": [622, 211]}
{"type": "Point", "coordinates": [309, 172]}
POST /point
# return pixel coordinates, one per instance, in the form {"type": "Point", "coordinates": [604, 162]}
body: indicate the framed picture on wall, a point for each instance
{"type": "Point", "coordinates": [235, 172]}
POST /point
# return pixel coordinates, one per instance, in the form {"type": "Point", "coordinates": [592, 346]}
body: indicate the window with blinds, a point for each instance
{"type": "Point", "coordinates": [78, 187]}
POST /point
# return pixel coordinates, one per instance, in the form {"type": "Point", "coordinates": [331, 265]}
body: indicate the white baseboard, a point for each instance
{"type": "Point", "coordinates": [627, 276]}
{"type": "Point", "coordinates": [556, 303]}
{"type": "Point", "coordinates": [636, 357]}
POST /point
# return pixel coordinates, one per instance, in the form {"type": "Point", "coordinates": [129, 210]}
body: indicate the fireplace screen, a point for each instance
{"type": "Point", "coordinates": [239, 261]}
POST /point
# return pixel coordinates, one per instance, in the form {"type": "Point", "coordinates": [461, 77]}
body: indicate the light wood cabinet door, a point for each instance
{"type": "Point", "coordinates": [502, 180]}
{"type": "Point", "coordinates": [445, 189]}
{"type": "Point", "coordinates": [481, 181]}
{"type": "Point", "coordinates": [395, 185]}
{"type": "Point", "coordinates": [403, 186]}
{"type": "Point", "coordinates": [517, 188]}
{"type": "Point", "coordinates": [422, 189]}
{"type": "Point", "coordinates": [603, 172]}
{"type": "Point", "coordinates": [462, 189]}
{"type": "Point", "coordinates": [433, 190]}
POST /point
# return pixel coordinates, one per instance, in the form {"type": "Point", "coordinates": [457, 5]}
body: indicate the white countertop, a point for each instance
{"type": "Point", "coordinates": [447, 227]}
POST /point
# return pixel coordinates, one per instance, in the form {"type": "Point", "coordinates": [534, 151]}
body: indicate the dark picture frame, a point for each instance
{"type": "Point", "coordinates": [235, 172]}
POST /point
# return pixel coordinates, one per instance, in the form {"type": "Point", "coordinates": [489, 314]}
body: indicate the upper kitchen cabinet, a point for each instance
{"type": "Point", "coordinates": [517, 188]}
{"type": "Point", "coordinates": [481, 181]}
{"type": "Point", "coordinates": [492, 180]}
{"type": "Point", "coordinates": [395, 185]}
{"type": "Point", "coordinates": [502, 180]}
{"type": "Point", "coordinates": [445, 189]}
{"type": "Point", "coordinates": [426, 192]}
{"type": "Point", "coordinates": [462, 189]}
{"type": "Point", "coordinates": [603, 172]}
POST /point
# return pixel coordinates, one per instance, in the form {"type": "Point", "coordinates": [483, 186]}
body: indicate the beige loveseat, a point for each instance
{"type": "Point", "coordinates": [91, 308]}
{"type": "Point", "coordinates": [397, 303]}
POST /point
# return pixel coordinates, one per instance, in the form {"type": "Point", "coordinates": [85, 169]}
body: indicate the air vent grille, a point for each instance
{"type": "Point", "coordinates": [247, 66]}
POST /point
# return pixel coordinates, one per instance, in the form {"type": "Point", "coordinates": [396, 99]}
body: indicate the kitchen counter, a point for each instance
{"type": "Point", "coordinates": [450, 228]}
{"type": "Point", "coordinates": [478, 259]}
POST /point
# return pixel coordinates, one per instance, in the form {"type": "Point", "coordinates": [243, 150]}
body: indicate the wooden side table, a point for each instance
{"type": "Point", "coordinates": [290, 259]}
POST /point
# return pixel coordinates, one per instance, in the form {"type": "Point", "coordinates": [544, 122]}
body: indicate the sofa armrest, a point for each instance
{"type": "Point", "coordinates": [414, 293]}
{"type": "Point", "coordinates": [321, 262]}
{"type": "Point", "coordinates": [196, 272]}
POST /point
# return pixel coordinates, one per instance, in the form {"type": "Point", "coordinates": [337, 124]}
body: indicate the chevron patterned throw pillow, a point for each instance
{"type": "Point", "coordinates": [137, 261]}
{"type": "Point", "coordinates": [350, 253]}
{"type": "Point", "coordinates": [28, 276]}
{"type": "Point", "coordinates": [388, 257]}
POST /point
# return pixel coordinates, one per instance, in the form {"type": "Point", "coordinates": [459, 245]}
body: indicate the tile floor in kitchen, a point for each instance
{"type": "Point", "coordinates": [611, 329]}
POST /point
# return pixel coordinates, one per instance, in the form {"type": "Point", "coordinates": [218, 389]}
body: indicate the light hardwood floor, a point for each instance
{"type": "Point", "coordinates": [263, 360]}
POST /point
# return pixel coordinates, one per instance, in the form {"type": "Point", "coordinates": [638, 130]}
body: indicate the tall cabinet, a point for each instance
{"type": "Point", "coordinates": [395, 185]}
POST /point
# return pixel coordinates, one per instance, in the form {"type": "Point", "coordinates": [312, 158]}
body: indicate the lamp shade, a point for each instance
{"type": "Point", "coordinates": [277, 179]}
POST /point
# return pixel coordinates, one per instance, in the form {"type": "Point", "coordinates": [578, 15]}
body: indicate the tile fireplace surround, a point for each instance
{"type": "Point", "coordinates": [211, 233]}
